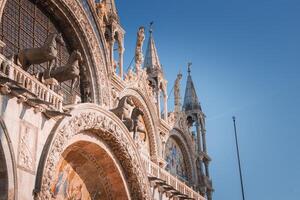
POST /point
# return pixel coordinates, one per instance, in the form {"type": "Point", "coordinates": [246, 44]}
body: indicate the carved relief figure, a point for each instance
{"type": "Point", "coordinates": [27, 146]}
{"type": "Point", "coordinates": [46, 53]}
{"type": "Point", "coordinates": [138, 50]}
{"type": "Point", "coordinates": [25, 154]}
{"type": "Point", "coordinates": [101, 11]}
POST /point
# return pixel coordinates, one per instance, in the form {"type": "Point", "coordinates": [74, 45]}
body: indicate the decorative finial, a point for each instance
{"type": "Point", "coordinates": [189, 67]}
{"type": "Point", "coordinates": [179, 72]}
{"type": "Point", "coordinates": [150, 27]}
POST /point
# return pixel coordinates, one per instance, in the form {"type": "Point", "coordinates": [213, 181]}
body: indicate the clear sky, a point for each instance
{"type": "Point", "coordinates": [246, 62]}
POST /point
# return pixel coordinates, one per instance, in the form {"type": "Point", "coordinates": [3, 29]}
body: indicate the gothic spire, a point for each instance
{"type": "Point", "coordinates": [191, 101]}
{"type": "Point", "coordinates": [151, 58]}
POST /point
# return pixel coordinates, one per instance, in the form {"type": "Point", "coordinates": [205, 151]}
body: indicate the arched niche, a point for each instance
{"type": "Point", "coordinates": [72, 20]}
{"type": "Point", "coordinates": [149, 117]}
{"type": "Point", "coordinates": [107, 129]}
{"type": "Point", "coordinates": [87, 169]}
{"type": "Point", "coordinates": [178, 156]}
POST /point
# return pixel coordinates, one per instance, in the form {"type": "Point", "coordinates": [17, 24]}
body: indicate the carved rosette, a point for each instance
{"type": "Point", "coordinates": [110, 132]}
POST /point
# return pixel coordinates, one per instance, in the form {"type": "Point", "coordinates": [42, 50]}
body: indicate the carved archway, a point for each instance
{"type": "Point", "coordinates": [82, 33]}
{"type": "Point", "coordinates": [187, 152]}
{"type": "Point", "coordinates": [89, 170]}
{"type": "Point", "coordinates": [8, 173]}
{"type": "Point", "coordinates": [151, 120]}
{"type": "Point", "coordinates": [106, 127]}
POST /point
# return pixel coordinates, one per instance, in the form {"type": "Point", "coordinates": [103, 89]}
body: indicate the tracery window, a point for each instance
{"type": "Point", "coordinates": [25, 25]}
{"type": "Point", "coordinates": [175, 161]}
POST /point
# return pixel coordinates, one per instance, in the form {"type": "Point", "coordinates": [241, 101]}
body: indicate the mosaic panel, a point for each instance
{"type": "Point", "coordinates": [175, 159]}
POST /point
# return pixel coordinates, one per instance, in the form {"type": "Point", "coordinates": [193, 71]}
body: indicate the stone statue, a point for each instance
{"type": "Point", "coordinates": [86, 85]}
{"type": "Point", "coordinates": [124, 109]}
{"type": "Point", "coordinates": [138, 125]}
{"type": "Point", "coordinates": [131, 116]}
{"type": "Point", "coordinates": [177, 92]}
{"type": "Point", "coordinates": [139, 48]}
{"type": "Point", "coordinates": [101, 11]}
{"type": "Point", "coordinates": [70, 71]}
{"type": "Point", "coordinates": [46, 53]}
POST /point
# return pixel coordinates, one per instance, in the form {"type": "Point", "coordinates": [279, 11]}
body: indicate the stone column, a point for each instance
{"type": "Point", "coordinates": [112, 42]}
{"type": "Point", "coordinates": [121, 53]}
{"type": "Point", "coordinates": [158, 101]}
{"type": "Point", "coordinates": [204, 140]}
{"type": "Point", "coordinates": [165, 107]}
{"type": "Point", "coordinates": [199, 145]}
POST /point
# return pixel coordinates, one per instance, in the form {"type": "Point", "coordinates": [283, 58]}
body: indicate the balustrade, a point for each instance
{"type": "Point", "coordinates": [30, 83]}
{"type": "Point", "coordinates": [153, 170]}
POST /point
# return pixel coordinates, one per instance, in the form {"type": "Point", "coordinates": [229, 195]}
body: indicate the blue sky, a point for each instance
{"type": "Point", "coordinates": [246, 61]}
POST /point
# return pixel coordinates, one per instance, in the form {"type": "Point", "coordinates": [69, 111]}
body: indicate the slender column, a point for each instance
{"type": "Point", "coordinates": [165, 107]}
{"type": "Point", "coordinates": [112, 42]}
{"type": "Point", "coordinates": [158, 102]}
{"type": "Point", "coordinates": [206, 168]}
{"type": "Point", "coordinates": [199, 149]}
{"type": "Point", "coordinates": [121, 53]}
{"type": "Point", "coordinates": [204, 140]}
{"type": "Point", "coordinates": [209, 195]}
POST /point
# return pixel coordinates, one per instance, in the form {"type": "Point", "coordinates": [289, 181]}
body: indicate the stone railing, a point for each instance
{"type": "Point", "coordinates": [30, 83]}
{"type": "Point", "coordinates": [153, 170]}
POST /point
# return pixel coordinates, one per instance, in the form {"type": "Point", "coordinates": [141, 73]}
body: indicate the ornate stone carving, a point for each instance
{"type": "Point", "coordinates": [130, 76]}
{"type": "Point", "coordinates": [102, 12]}
{"type": "Point", "coordinates": [115, 97]}
{"type": "Point", "coordinates": [94, 49]}
{"type": "Point", "coordinates": [110, 132]}
{"type": "Point", "coordinates": [171, 119]}
{"type": "Point", "coordinates": [27, 146]}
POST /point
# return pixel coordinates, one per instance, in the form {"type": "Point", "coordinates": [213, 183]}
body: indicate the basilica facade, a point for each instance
{"type": "Point", "coordinates": [76, 125]}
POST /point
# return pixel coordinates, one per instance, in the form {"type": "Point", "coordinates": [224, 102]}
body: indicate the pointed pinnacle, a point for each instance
{"type": "Point", "coordinates": [189, 67]}
{"type": "Point", "coordinates": [150, 27]}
